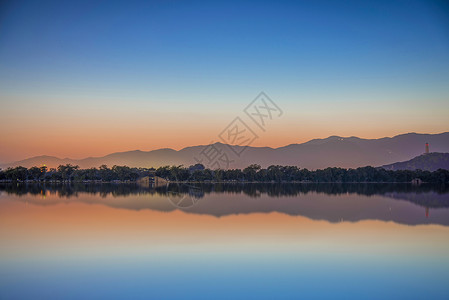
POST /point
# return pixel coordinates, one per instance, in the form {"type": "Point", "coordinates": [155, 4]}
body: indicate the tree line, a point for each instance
{"type": "Point", "coordinates": [198, 173]}
{"type": "Point", "coordinates": [73, 173]}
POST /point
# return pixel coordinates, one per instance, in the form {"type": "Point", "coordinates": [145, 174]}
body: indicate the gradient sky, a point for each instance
{"type": "Point", "coordinates": [89, 78]}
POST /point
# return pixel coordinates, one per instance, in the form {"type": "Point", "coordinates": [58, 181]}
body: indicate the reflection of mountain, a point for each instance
{"type": "Point", "coordinates": [331, 202]}
{"type": "Point", "coordinates": [334, 151]}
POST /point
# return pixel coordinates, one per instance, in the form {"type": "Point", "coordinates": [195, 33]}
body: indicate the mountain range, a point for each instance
{"type": "Point", "coordinates": [334, 151]}
{"type": "Point", "coordinates": [426, 162]}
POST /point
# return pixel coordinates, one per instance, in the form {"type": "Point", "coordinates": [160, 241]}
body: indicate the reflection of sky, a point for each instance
{"type": "Point", "coordinates": [79, 250]}
{"type": "Point", "coordinates": [216, 278]}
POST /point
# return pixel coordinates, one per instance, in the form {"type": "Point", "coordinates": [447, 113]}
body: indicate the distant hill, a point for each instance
{"type": "Point", "coordinates": [425, 162]}
{"type": "Point", "coordinates": [334, 151]}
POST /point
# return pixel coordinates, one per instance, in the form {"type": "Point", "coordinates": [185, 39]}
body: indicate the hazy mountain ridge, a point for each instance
{"type": "Point", "coordinates": [425, 162]}
{"type": "Point", "coordinates": [334, 151]}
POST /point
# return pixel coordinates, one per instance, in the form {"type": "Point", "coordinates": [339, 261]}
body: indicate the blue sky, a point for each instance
{"type": "Point", "coordinates": [168, 41]}
{"type": "Point", "coordinates": [212, 58]}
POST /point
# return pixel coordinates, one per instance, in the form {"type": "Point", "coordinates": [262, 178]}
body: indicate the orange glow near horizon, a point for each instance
{"type": "Point", "coordinates": [89, 139]}
{"type": "Point", "coordinates": [81, 129]}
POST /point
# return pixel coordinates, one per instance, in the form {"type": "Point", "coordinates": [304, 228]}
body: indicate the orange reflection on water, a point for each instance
{"type": "Point", "coordinates": [72, 229]}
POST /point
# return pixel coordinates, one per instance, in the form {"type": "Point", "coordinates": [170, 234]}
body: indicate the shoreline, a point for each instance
{"type": "Point", "coordinates": [211, 182]}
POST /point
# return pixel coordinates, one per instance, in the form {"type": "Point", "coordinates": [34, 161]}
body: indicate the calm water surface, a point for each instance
{"type": "Point", "coordinates": [260, 241]}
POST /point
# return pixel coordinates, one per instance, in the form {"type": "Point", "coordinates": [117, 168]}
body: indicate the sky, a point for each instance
{"type": "Point", "coordinates": [88, 78]}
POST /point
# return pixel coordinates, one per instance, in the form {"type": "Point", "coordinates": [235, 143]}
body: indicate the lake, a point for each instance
{"type": "Point", "coordinates": [224, 241]}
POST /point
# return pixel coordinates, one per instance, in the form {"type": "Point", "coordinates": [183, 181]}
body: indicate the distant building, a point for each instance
{"type": "Point", "coordinates": [416, 181]}
{"type": "Point", "coordinates": [152, 181]}
{"type": "Point", "coordinates": [427, 148]}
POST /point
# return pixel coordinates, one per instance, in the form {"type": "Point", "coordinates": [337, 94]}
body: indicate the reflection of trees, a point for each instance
{"type": "Point", "coordinates": [184, 196]}
{"type": "Point", "coordinates": [295, 189]}
{"type": "Point", "coordinates": [74, 189]}
{"type": "Point", "coordinates": [408, 191]}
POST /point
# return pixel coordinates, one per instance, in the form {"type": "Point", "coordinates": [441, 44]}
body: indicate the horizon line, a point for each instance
{"type": "Point", "coordinates": [203, 145]}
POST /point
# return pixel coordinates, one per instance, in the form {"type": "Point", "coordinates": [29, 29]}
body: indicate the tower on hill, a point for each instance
{"type": "Point", "coordinates": [427, 148]}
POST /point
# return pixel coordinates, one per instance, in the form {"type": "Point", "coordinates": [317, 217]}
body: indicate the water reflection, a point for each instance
{"type": "Point", "coordinates": [251, 241]}
{"type": "Point", "coordinates": [400, 203]}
